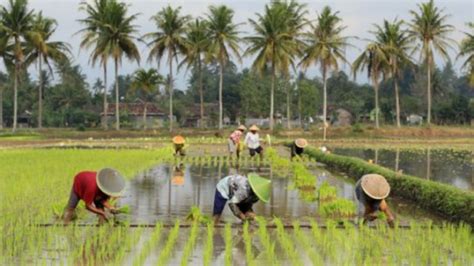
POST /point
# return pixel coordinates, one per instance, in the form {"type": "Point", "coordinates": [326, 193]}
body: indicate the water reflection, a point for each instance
{"type": "Point", "coordinates": [447, 166]}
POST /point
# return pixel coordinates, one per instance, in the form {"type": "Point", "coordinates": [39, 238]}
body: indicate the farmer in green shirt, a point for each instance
{"type": "Point", "coordinates": [241, 192]}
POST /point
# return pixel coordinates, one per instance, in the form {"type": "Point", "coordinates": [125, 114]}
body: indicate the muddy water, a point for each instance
{"type": "Point", "coordinates": [166, 193]}
{"type": "Point", "coordinates": [454, 167]}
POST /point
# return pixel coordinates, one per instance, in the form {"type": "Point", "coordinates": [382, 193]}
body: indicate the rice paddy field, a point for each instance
{"type": "Point", "coordinates": [311, 219]}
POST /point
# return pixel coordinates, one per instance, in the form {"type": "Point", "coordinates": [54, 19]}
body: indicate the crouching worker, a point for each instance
{"type": "Point", "coordinates": [371, 190]}
{"type": "Point", "coordinates": [95, 189]}
{"type": "Point", "coordinates": [178, 143]}
{"type": "Point", "coordinates": [242, 193]}
{"type": "Point", "coordinates": [297, 147]}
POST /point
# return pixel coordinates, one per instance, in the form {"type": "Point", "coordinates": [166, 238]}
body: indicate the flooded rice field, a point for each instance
{"type": "Point", "coordinates": [454, 167]}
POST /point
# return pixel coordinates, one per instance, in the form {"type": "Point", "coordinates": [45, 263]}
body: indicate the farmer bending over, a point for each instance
{"type": "Point", "coordinates": [178, 143]}
{"type": "Point", "coordinates": [252, 140]}
{"type": "Point", "coordinates": [95, 189]}
{"type": "Point", "coordinates": [242, 193]}
{"type": "Point", "coordinates": [234, 141]}
{"type": "Point", "coordinates": [297, 147]}
{"type": "Point", "coordinates": [371, 190]}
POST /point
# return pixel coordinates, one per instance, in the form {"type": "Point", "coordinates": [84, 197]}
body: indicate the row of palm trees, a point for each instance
{"type": "Point", "coordinates": [282, 40]}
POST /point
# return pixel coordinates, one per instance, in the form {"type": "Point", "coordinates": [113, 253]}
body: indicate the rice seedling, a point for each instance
{"type": "Point", "coordinates": [149, 245]}
{"type": "Point", "coordinates": [307, 244]}
{"type": "Point", "coordinates": [170, 242]}
{"type": "Point", "coordinates": [188, 248]}
{"type": "Point", "coordinates": [327, 192]}
{"type": "Point", "coordinates": [209, 245]}
{"type": "Point", "coordinates": [266, 241]}
{"type": "Point", "coordinates": [287, 244]}
{"type": "Point", "coordinates": [248, 245]}
{"type": "Point", "coordinates": [228, 244]}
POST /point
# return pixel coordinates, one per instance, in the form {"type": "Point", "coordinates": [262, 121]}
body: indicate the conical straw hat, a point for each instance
{"type": "Point", "coordinates": [260, 186]}
{"type": "Point", "coordinates": [375, 186]}
{"type": "Point", "coordinates": [178, 140]}
{"type": "Point", "coordinates": [242, 127]}
{"type": "Point", "coordinates": [301, 143]}
{"type": "Point", "coordinates": [254, 128]}
{"type": "Point", "coordinates": [111, 182]}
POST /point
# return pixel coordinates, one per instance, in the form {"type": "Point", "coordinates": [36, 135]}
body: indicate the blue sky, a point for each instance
{"type": "Point", "coordinates": [358, 16]}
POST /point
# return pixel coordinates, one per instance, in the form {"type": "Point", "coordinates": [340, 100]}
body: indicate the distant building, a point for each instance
{"type": "Point", "coordinates": [414, 119]}
{"type": "Point", "coordinates": [192, 117]}
{"type": "Point", "coordinates": [342, 117]}
{"type": "Point", "coordinates": [132, 115]}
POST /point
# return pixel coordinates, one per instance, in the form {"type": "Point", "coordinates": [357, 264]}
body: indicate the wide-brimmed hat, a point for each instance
{"type": "Point", "coordinates": [375, 186]}
{"type": "Point", "coordinates": [301, 143]}
{"type": "Point", "coordinates": [260, 186]}
{"type": "Point", "coordinates": [178, 139]}
{"type": "Point", "coordinates": [254, 128]}
{"type": "Point", "coordinates": [242, 127]}
{"type": "Point", "coordinates": [111, 182]}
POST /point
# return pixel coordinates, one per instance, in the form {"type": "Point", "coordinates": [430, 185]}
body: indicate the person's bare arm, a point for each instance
{"type": "Point", "coordinates": [236, 211]}
{"type": "Point", "coordinates": [92, 208]}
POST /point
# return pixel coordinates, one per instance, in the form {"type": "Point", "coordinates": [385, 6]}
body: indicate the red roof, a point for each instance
{"type": "Point", "coordinates": [135, 109]}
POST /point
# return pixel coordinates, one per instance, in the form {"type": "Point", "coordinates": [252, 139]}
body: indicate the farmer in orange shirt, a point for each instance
{"type": "Point", "coordinates": [234, 141]}
{"type": "Point", "coordinates": [95, 189]}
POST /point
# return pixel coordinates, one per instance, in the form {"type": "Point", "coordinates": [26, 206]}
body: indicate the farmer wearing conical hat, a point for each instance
{"type": "Point", "coordinates": [252, 140]}
{"type": "Point", "coordinates": [95, 189]}
{"type": "Point", "coordinates": [178, 143]}
{"type": "Point", "coordinates": [234, 141]}
{"type": "Point", "coordinates": [371, 190]}
{"type": "Point", "coordinates": [241, 192]}
{"type": "Point", "coordinates": [297, 147]}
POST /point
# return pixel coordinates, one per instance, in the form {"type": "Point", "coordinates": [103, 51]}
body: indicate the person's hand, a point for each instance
{"type": "Point", "coordinates": [250, 215]}
{"type": "Point", "coordinates": [114, 211]}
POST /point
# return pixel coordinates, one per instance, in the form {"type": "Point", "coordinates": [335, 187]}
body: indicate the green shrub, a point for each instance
{"type": "Point", "coordinates": [448, 201]}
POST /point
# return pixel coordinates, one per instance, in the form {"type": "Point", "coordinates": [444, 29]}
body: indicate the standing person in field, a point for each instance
{"type": "Point", "coordinates": [252, 140]}
{"type": "Point", "coordinates": [371, 190]}
{"type": "Point", "coordinates": [234, 141]}
{"type": "Point", "coordinates": [297, 147]}
{"type": "Point", "coordinates": [241, 192]}
{"type": "Point", "coordinates": [178, 144]}
{"type": "Point", "coordinates": [95, 189]}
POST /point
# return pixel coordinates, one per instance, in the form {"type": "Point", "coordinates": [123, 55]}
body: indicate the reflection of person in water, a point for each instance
{"type": "Point", "coordinates": [178, 175]}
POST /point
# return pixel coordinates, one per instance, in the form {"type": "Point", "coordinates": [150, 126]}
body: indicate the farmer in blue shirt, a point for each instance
{"type": "Point", "coordinates": [241, 192]}
{"type": "Point", "coordinates": [371, 190]}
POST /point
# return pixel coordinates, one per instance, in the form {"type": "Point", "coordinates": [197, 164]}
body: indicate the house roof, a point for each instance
{"type": "Point", "coordinates": [136, 109]}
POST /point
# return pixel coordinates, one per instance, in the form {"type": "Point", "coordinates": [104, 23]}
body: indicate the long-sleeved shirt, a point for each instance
{"type": "Point", "coordinates": [252, 140]}
{"type": "Point", "coordinates": [235, 136]}
{"type": "Point", "coordinates": [234, 188]}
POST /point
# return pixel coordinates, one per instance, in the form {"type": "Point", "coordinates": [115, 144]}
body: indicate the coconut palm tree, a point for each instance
{"type": "Point", "coordinates": [429, 28]}
{"type": "Point", "coordinates": [275, 43]}
{"type": "Point", "coordinates": [44, 50]}
{"type": "Point", "coordinates": [15, 24]}
{"type": "Point", "coordinates": [325, 47]}
{"type": "Point", "coordinates": [224, 39]}
{"type": "Point", "coordinates": [168, 39]}
{"type": "Point", "coordinates": [397, 45]}
{"type": "Point", "coordinates": [375, 61]}
{"type": "Point", "coordinates": [197, 44]}
{"type": "Point", "coordinates": [96, 13]}
{"type": "Point", "coordinates": [467, 50]}
{"type": "Point", "coordinates": [117, 39]}
{"type": "Point", "coordinates": [145, 84]}
{"type": "Point", "coordinates": [8, 61]}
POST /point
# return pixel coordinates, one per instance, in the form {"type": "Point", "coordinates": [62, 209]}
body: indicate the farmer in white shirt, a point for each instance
{"type": "Point", "coordinates": [252, 140]}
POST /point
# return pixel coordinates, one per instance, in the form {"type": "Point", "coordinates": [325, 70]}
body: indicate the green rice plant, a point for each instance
{"type": "Point", "coordinates": [125, 209]}
{"type": "Point", "coordinates": [307, 244]}
{"type": "Point", "coordinates": [248, 245]}
{"type": "Point", "coordinates": [209, 245]}
{"type": "Point", "coordinates": [195, 214]}
{"type": "Point", "coordinates": [266, 241]}
{"type": "Point", "coordinates": [287, 244]}
{"type": "Point", "coordinates": [327, 192]}
{"type": "Point", "coordinates": [170, 242]}
{"type": "Point", "coordinates": [148, 245]}
{"type": "Point", "coordinates": [337, 208]}
{"type": "Point", "coordinates": [188, 248]}
{"type": "Point", "coordinates": [228, 244]}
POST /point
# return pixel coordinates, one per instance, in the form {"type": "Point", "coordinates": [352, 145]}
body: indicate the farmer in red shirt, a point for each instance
{"type": "Point", "coordinates": [95, 189]}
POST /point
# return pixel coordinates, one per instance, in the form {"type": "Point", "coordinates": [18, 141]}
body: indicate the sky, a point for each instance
{"type": "Point", "coordinates": [358, 15]}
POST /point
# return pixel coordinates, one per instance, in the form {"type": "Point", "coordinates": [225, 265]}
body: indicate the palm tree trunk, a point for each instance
{"type": "Point", "coordinates": [144, 116]}
{"type": "Point", "coordinates": [15, 96]}
{"type": "Point", "coordinates": [40, 93]}
{"type": "Point", "coordinates": [376, 90]}
{"type": "Point", "coordinates": [201, 96]}
{"type": "Point", "coordinates": [170, 88]}
{"type": "Point", "coordinates": [221, 77]}
{"type": "Point", "coordinates": [325, 107]}
{"type": "Point", "coordinates": [397, 101]}
{"type": "Point", "coordinates": [272, 93]}
{"type": "Point", "coordinates": [1, 107]}
{"type": "Point", "coordinates": [429, 93]}
{"type": "Point", "coordinates": [117, 109]}
{"type": "Point", "coordinates": [288, 107]}
{"type": "Point", "coordinates": [300, 115]}
{"type": "Point", "coordinates": [106, 117]}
